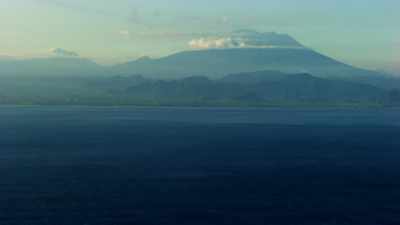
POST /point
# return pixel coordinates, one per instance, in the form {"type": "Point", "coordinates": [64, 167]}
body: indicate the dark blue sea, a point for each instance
{"type": "Point", "coordinates": [199, 166]}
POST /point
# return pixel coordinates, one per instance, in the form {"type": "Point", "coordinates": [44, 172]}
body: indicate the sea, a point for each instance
{"type": "Point", "coordinates": [83, 165]}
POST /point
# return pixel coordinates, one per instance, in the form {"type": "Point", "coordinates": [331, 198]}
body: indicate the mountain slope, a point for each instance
{"type": "Point", "coordinates": [216, 63]}
{"type": "Point", "coordinates": [259, 88]}
{"type": "Point", "coordinates": [246, 89]}
{"type": "Point", "coordinates": [248, 51]}
{"type": "Point", "coordinates": [43, 67]}
{"type": "Point", "coordinates": [254, 38]}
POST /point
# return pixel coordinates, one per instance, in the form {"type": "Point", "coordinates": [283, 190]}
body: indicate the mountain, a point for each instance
{"type": "Point", "coordinates": [263, 88]}
{"type": "Point", "coordinates": [42, 67]}
{"type": "Point", "coordinates": [216, 63]}
{"type": "Point", "coordinates": [253, 38]}
{"type": "Point", "coordinates": [243, 51]}
{"type": "Point", "coordinates": [259, 88]}
{"type": "Point", "coordinates": [254, 77]}
{"type": "Point", "coordinates": [250, 51]}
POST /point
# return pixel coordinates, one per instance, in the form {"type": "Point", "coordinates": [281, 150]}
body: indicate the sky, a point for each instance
{"type": "Point", "coordinates": [359, 32]}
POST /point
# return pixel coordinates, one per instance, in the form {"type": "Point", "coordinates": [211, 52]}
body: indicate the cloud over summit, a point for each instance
{"type": "Point", "coordinates": [246, 39]}
{"type": "Point", "coordinates": [59, 52]}
{"type": "Point", "coordinates": [205, 43]}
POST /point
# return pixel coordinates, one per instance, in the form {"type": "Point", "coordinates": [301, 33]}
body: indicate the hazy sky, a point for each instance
{"type": "Point", "coordinates": [361, 32]}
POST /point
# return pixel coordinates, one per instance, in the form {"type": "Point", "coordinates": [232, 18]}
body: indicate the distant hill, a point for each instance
{"type": "Point", "coordinates": [263, 88]}
{"type": "Point", "coordinates": [259, 88]}
{"type": "Point", "coordinates": [216, 63]}
{"type": "Point", "coordinates": [255, 77]}
{"type": "Point", "coordinates": [43, 67]}
{"type": "Point", "coordinates": [242, 52]}
{"type": "Point", "coordinates": [250, 51]}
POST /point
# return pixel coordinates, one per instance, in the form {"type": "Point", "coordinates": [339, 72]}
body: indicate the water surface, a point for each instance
{"type": "Point", "coordinates": [134, 165]}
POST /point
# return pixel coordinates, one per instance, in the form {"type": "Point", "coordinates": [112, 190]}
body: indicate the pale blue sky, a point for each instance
{"type": "Point", "coordinates": [364, 33]}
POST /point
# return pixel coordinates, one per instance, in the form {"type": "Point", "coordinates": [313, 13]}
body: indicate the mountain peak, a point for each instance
{"type": "Point", "coordinates": [143, 59]}
{"type": "Point", "coordinates": [265, 39]}
{"type": "Point", "coordinates": [246, 39]}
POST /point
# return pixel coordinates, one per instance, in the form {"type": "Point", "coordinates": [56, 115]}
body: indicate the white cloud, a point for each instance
{"type": "Point", "coordinates": [205, 43]}
{"type": "Point", "coordinates": [125, 33]}
{"type": "Point", "coordinates": [63, 53]}
{"type": "Point", "coordinates": [224, 19]}
{"type": "Point", "coordinates": [246, 39]}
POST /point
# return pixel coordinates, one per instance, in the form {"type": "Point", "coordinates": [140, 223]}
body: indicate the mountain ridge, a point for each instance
{"type": "Point", "coordinates": [247, 51]}
{"type": "Point", "coordinates": [225, 61]}
{"type": "Point", "coordinates": [52, 66]}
